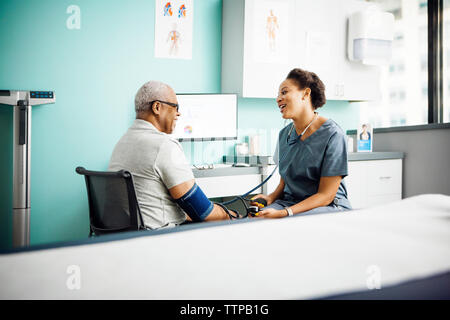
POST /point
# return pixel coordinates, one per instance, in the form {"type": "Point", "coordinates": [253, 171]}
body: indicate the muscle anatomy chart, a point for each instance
{"type": "Point", "coordinates": [270, 34]}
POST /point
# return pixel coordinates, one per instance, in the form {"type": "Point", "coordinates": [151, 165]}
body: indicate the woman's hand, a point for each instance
{"type": "Point", "coordinates": [272, 214]}
{"type": "Point", "coordinates": [262, 196]}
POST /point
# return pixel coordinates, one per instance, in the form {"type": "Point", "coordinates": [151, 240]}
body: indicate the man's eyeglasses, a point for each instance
{"type": "Point", "coordinates": [169, 103]}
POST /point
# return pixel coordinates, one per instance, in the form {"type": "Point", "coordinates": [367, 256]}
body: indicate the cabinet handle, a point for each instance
{"type": "Point", "coordinates": [385, 178]}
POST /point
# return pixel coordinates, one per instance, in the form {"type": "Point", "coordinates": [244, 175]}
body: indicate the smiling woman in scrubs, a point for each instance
{"type": "Point", "coordinates": [311, 153]}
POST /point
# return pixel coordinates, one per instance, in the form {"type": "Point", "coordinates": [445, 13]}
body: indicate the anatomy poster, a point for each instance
{"type": "Point", "coordinates": [270, 32]}
{"type": "Point", "coordinates": [173, 29]}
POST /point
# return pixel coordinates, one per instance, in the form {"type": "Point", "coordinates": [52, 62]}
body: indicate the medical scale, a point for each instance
{"type": "Point", "coordinates": [22, 101]}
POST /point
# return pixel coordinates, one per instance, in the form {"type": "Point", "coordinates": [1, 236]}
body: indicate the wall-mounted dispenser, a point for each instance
{"type": "Point", "coordinates": [370, 36]}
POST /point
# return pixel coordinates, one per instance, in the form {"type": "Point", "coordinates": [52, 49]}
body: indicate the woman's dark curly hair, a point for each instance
{"type": "Point", "coordinates": [305, 79]}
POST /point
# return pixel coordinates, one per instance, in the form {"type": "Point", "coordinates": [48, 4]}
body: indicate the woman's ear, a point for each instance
{"type": "Point", "coordinates": [306, 93]}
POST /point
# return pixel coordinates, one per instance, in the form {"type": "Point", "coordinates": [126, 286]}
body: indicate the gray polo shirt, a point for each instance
{"type": "Point", "coordinates": [157, 163]}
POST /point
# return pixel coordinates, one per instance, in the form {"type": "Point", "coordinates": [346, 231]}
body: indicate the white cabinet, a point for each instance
{"type": "Point", "coordinates": [273, 182]}
{"type": "Point", "coordinates": [308, 34]}
{"type": "Point", "coordinates": [227, 186]}
{"type": "Point", "coordinates": [374, 182]}
{"type": "Point", "coordinates": [267, 62]}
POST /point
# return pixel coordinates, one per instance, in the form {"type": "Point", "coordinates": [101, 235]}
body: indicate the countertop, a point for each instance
{"type": "Point", "coordinates": [218, 170]}
{"type": "Point", "coordinates": [361, 156]}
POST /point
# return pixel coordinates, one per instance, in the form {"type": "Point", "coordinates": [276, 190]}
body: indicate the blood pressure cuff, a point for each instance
{"type": "Point", "coordinates": [195, 204]}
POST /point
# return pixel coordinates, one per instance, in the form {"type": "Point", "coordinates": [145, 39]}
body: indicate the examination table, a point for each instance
{"type": "Point", "coordinates": [334, 255]}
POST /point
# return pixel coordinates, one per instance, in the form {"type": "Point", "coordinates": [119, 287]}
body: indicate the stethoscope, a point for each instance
{"type": "Point", "coordinates": [242, 198]}
{"type": "Point", "coordinates": [316, 115]}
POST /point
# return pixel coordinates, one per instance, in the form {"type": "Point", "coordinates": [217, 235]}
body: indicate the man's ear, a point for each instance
{"type": "Point", "coordinates": [156, 107]}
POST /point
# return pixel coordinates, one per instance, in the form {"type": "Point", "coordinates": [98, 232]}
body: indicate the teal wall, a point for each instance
{"type": "Point", "coordinates": [95, 72]}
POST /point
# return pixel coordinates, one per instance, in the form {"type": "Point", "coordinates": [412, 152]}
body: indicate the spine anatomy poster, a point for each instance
{"type": "Point", "coordinates": [173, 29]}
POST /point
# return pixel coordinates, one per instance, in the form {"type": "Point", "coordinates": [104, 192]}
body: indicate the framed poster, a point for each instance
{"type": "Point", "coordinates": [270, 31]}
{"type": "Point", "coordinates": [173, 29]}
{"type": "Point", "coordinates": [365, 138]}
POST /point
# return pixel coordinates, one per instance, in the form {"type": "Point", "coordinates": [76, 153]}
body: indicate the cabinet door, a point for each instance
{"type": "Point", "coordinates": [384, 177]}
{"type": "Point", "coordinates": [356, 183]}
{"type": "Point", "coordinates": [268, 46]}
{"type": "Point", "coordinates": [226, 186]}
{"type": "Point", "coordinates": [279, 35]}
{"type": "Point", "coordinates": [316, 39]}
{"type": "Point", "coordinates": [321, 45]}
{"type": "Point", "coordinates": [374, 182]}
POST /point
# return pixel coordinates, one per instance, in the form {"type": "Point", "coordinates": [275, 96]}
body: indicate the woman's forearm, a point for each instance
{"type": "Point", "coordinates": [325, 195]}
{"type": "Point", "coordinates": [314, 201]}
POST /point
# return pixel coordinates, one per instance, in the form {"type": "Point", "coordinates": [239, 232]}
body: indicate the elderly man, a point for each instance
{"type": "Point", "coordinates": [164, 182]}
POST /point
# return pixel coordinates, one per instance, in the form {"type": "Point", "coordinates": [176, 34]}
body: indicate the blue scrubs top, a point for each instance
{"type": "Point", "coordinates": [302, 163]}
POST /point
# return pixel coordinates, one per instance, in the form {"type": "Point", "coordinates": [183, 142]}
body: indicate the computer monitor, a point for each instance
{"type": "Point", "coordinates": [206, 117]}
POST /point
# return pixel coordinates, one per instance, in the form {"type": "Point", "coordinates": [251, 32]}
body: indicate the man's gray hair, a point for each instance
{"type": "Point", "coordinates": [150, 91]}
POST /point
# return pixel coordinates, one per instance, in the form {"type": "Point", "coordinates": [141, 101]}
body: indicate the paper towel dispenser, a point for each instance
{"type": "Point", "coordinates": [370, 36]}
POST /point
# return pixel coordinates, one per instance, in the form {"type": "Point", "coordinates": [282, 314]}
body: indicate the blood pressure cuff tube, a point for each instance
{"type": "Point", "coordinates": [195, 204]}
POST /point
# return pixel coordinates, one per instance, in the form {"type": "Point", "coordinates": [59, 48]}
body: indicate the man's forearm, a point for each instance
{"type": "Point", "coordinates": [217, 214]}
